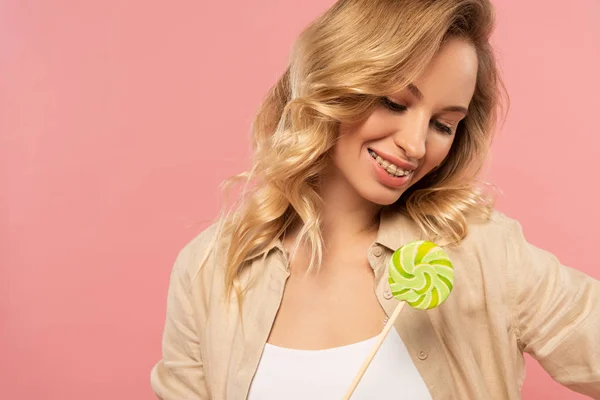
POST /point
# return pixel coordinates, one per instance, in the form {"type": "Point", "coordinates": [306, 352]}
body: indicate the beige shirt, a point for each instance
{"type": "Point", "coordinates": [509, 297]}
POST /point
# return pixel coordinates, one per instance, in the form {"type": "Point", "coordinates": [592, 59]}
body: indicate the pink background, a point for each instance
{"type": "Point", "coordinates": [118, 120]}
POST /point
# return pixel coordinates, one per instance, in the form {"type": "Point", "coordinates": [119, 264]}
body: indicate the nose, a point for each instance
{"type": "Point", "coordinates": [411, 135]}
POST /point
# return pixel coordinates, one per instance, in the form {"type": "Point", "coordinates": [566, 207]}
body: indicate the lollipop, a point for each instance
{"type": "Point", "coordinates": [420, 274]}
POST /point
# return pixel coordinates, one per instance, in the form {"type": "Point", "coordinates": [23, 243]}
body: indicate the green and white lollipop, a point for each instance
{"type": "Point", "coordinates": [420, 274]}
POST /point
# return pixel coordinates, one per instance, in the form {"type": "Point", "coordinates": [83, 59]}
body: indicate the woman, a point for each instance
{"type": "Point", "coordinates": [373, 138]}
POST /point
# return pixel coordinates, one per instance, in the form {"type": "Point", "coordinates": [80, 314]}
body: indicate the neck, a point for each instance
{"type": "Point", "coordinates": [348, 220]}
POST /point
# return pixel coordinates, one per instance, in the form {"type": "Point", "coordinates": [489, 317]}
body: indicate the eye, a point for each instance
{"type": "Point", "coordinates": [392, 106]}
{"type": "Point", "coordinates": [442, 127]}
{"type": "Point", "coordinates": [395, 107]}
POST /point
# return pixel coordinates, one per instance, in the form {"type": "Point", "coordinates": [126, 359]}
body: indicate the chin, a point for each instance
{"type": "Point", "coordinates": [383, 199]}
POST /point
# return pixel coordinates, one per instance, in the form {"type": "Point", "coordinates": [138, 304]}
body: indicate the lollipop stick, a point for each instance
{"type": "Point", "coordinates": [386, 329]}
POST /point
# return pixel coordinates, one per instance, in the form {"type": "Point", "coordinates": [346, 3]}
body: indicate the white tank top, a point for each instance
{"type": "Point", "coordinates": [326, 374]}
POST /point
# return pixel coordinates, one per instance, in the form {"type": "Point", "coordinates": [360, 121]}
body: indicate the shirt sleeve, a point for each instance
{"type": "Point", "coordinates": [179, 374]}
{"type": "Point", "coordinates": [556, 314]}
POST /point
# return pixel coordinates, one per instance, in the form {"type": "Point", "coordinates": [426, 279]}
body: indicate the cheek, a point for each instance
{"type": "Point", "coordinates": [351, 142]}
{"type": "Point", "coordinates": [437, 151]}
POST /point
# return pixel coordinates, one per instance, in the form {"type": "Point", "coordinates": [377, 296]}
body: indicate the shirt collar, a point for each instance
{"type": "Point", "coordinates": [396, 229]}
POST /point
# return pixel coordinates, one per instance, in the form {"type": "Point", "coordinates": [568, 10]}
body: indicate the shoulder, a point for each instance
{"type": "Point", "coordinates": [496, 230]}
{"type": "Point", "coordinates": [488, 244]}
{"type": "Point", "coordinates": [198, 253]}
{"type": "Point", "coordinates": [481, 262]}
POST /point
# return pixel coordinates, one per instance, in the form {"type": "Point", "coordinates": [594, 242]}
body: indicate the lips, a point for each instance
{"type": "Point", "coordinates": [390, 168]}
{"type": "Point", "coordinates": [383, 176]}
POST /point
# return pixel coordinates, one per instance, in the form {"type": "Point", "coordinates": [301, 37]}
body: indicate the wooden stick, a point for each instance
{"type": "Point", "coordinates": [386, 329]}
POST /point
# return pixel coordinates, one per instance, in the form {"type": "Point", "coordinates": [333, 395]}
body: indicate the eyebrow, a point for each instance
{"type": "Point", "coordinates": [417, 93]}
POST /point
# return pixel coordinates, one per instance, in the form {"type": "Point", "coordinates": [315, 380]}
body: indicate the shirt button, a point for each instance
{"type": "Point", "coordinates": [422, 355]}
{"type": "Point", "coordinates": [378, 251]}
{"type": "Point", "coordinates": [387, 294]}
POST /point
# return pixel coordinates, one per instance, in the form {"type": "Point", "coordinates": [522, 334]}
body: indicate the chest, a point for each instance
{"type": "Point", "coordinates": [332, 307]}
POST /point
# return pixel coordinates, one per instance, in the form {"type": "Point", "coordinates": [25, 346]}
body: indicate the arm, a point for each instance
{"type": "Point", "coordinates": [180, 375]}
{"type": "Point", "coordinates": [556, 314]}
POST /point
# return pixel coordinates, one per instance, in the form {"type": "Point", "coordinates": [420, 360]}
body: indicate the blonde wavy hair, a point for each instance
{"type": "Point", "coordinates": [340, 67]}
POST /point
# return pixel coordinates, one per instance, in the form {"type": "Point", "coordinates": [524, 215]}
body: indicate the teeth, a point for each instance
{"type": "Point", "coordinates": [390, 168]}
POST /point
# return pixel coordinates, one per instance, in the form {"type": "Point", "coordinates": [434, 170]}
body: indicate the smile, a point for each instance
{"type": "Point", "coordinates": [391, 169]}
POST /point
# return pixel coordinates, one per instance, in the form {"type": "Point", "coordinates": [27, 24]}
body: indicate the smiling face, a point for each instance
{"type": "Point", "coordinates": [413, 129]}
